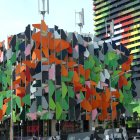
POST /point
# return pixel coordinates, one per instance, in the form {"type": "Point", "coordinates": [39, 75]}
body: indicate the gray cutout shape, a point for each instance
{"type": "Point", "coordinates": [44, 103]}
{"type": "Point", "coordinates": [33, 108]}
{"type": "Point", "coordinates": [37, 76]}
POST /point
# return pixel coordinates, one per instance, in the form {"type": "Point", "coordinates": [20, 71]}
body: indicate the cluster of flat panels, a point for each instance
{"type": "Point", "coordinates": [51, 74]}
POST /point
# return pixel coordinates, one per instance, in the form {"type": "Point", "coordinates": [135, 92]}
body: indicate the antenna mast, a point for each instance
{"type": "Point", "coordinates": [81, 19]}
{"type": "Point", "coordinates": [42, 8]}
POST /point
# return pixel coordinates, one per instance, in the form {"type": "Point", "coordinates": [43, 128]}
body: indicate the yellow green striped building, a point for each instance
{"type": "Point", "coordinates": [126, 17]}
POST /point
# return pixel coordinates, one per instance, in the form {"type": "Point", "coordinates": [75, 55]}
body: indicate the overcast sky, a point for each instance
{"type": "Point", "coordinates": [16, 14]}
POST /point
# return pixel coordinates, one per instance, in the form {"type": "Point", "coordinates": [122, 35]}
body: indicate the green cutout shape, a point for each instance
{"type": "Point", "coordinates": [26, 99]}
{"type": "Point", "coordinates": [64, 90]}
{"type": "Point", "coordinates": [58, 110]}
{"type": "Point", "coordinates": [51, 87]}
{"type": "Point", "coordinates": [70, 92]}
{"type": "Point", "coordinates": [52, 104]}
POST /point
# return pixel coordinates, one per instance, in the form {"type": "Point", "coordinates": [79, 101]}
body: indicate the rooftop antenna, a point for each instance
{"type": "Point", "coordinates": [43, 7]}
{"type": "Point", "coordinates": [81, 19]}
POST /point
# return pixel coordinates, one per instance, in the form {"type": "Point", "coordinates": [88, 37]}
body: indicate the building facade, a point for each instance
{"type": "Point", "coordinates": [48, 75]}
{"type": "Point", "coordinates": [126, 18]}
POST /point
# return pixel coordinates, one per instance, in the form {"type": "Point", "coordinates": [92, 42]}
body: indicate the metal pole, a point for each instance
{"type": "Point", "coordinates": [80, 29]}
{"type": "Point", "coordinates": [21, 129]}
{"type": "Point", "coordinates": [43, 2]}
{"type": "Point", "coordinates": [111, 109]}
{"type": "Point", "coordinates": [11, 120]}
{"type": "Point", "coordinates": [111, 35]}
{"type": "Point", "coordinates": [43, 12]}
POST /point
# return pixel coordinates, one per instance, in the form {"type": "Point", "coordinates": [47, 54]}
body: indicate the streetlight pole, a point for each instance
{"type": "Point", "coordinates": [110, 80]}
